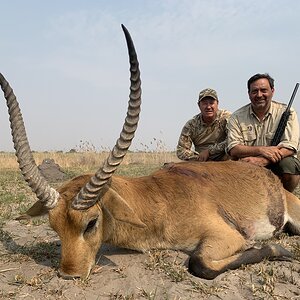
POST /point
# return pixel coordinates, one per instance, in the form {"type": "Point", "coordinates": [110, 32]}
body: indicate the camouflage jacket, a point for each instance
{"type": "Point", "coordinates": [203, 136]}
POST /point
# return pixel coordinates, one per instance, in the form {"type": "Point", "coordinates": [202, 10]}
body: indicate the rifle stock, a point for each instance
{"type": "Point", "coordinates": [283, 121]}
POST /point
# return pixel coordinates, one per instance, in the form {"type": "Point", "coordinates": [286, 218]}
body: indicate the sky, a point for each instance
{"type": "Point", "coordinates": [68, 65]}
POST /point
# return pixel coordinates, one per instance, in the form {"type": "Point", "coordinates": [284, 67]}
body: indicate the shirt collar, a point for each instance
{"type": "Point", "coordinates": [269, 112]}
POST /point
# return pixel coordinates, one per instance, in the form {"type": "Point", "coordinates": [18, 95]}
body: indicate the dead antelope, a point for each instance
{"type": "Point", "coordinates": [209, 209]}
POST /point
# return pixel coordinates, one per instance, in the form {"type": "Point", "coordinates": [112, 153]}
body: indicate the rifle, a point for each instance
{"type": "Point", "coordinates": [283, 121]}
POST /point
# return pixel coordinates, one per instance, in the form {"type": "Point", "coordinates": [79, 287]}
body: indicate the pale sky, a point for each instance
{"type": "Point", "coordinates": [67, 63]}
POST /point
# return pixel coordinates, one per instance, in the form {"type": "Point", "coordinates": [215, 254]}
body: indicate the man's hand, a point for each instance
{"type": "Point", "coordinates": [203, 155]}
{"type": "Point", "coordinates": [272, 153]}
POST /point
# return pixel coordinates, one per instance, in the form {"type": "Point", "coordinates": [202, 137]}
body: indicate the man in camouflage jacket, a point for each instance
{"type": "Point", "coordinates": [205, 131]}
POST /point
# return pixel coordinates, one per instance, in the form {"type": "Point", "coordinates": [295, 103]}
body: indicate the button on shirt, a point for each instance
{"type": "Point", "coordinates": [245, 128]}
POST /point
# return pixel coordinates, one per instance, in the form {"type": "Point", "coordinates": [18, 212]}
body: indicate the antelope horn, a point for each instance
{"type": "Point", "coordinates": [47, 195]}
{"type": "Point", "coordinates": [91, 192]}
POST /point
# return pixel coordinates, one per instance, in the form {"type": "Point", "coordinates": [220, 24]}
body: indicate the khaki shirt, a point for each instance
{"type": "Point", "coordinates": [203, 136]}
{"type": "Point", "coordinates": [245, 128]}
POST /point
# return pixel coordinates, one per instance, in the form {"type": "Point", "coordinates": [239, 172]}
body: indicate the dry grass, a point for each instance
{"type": "Point", "coordinates": [166, 263]}
{"type": "Point", "coordinates": [88, 161]}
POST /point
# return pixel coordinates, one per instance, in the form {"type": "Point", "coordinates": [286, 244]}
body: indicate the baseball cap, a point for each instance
{"type": "Point", "coordinates": [208, 93]}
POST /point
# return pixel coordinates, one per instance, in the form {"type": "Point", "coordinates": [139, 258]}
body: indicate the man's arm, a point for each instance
{"type": "Point", "coordinates": [272, 153]}
{"type": "Point", "coordinates": [184, 147]}
{"type": "Point", "coordinates": [221, 141]}
{"type": "Point", "coordinates": [218, 148]}
{"type": "Point", "coordinates": [260, 155]}
{"type": "Point", "coordinates": [185, 153]}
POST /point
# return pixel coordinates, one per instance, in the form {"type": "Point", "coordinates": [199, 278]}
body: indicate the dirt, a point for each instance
{"type": "Point", "coordinates": [51, 170]}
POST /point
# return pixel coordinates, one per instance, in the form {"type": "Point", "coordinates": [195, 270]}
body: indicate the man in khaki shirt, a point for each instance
{"type": "Point", "coordinates": [206, 131]}
{"type": "Point", "coordinates": [252, 127]}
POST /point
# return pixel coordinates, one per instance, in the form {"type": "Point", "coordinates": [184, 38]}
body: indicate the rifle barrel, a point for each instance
{"type": "Point", "coordinates": [284, 118]}
{"type": "Point", "coordinates": [293, 95]}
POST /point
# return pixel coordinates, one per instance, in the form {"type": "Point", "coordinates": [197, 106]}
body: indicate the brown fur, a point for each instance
{"type": "Point", "coordinates": [206, 209]}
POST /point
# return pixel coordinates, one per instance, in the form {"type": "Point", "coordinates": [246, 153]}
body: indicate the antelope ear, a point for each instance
{"type": "Point", "coordinates": [121, 211]}
{"type": "Point", "coordinates": [36, 210]}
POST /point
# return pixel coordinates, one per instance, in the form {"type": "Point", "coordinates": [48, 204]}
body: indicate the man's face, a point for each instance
{"type": "Point", "coordinates": [208, 107]}
{"type": "Point", "coordinates": [260, 94]}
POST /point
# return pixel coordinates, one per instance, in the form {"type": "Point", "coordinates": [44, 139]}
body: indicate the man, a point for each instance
{"type": "Point", "coordinates": [252, 127]}
{"type": "Point", "coordinates": [205, 131]}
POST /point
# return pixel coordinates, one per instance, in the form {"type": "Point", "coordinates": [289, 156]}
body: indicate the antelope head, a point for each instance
{"type": "Point", "coordinates": [77, 209]}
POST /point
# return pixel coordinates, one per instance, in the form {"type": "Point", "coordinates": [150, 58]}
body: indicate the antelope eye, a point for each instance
{"type": "Point", "coordinates": [91, 225]}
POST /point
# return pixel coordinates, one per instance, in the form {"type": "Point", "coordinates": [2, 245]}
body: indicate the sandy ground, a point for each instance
{"type": "Point", "coordinates": [30, 257]}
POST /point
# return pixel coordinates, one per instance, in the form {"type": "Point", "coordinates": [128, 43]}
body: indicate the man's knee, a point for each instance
{"type": "Point", "coordinates": [290, 181]}
{"type": "Point", "coordinates": [288, 170]}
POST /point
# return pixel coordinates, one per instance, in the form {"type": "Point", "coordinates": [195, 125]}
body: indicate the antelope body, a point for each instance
{"type": "Point", "coordinates": [209, 210]}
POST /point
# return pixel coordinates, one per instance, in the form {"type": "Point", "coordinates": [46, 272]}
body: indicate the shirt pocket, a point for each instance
{"type": "Point", "coordinates": [249, 135]}
{"type": "Point", "coordinates": [269, 137]}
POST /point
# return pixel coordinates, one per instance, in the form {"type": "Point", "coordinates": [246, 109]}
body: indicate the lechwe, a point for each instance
{"type": "Point", "coordinates": [209, 210]}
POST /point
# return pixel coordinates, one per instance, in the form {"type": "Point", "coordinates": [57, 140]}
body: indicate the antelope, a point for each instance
{"type": "Point", "coordinates": [210, 210]}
